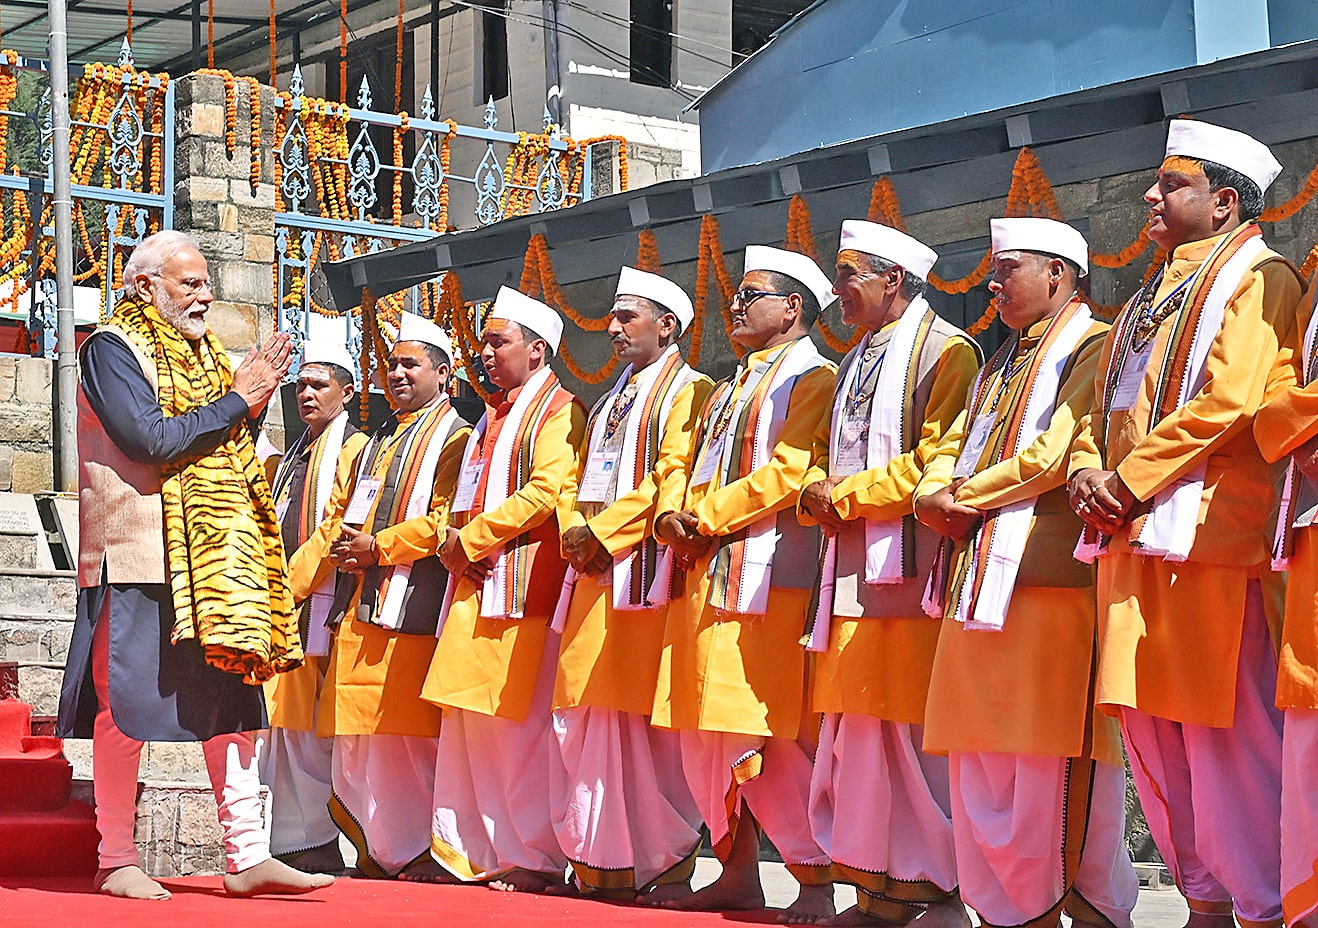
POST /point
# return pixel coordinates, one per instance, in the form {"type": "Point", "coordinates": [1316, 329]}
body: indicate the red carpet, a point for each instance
{"type": "Point", "coordinates": [199, 902]}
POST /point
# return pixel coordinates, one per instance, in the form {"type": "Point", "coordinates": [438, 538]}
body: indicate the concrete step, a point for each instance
{"type": "Point", "coordinates": [37, 593]}
{"type": "Point", "coordinates": [41, 639]}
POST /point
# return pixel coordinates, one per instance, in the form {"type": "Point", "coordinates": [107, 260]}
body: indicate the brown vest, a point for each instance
{"type": "Point", "coordinates": [121, 522]}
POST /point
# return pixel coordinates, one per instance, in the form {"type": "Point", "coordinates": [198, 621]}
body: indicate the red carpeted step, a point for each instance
{"type": "Point", "coordinates": [34, 784]}
{"type": "Point", "coordinates": [41, 747]}
{"type": "Point", "coordinates": [61, 843]}
{"type": "Point", "coordinates": [15, 725]}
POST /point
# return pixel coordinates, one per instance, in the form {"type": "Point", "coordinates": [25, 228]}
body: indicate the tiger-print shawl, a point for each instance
{"type": "Point", "coordinates": [222, 540]}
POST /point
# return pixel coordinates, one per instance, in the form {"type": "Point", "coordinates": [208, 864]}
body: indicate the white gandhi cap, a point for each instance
{"type": "Point", "coordinates": [326, 351]}
{"type": "Point", "coordinates": [1203, 141]}
{"type": "Point", "coordinates": [514, 306]}
{"type": "Point", "coordinates": [414, 328]}
{"type": "Point", "coordinates": [1045, 236]}
{"type": "Point", "coordinates": [888, 243]}
{"type": "Point", "coordinates": [799, 267]}
{"type": "Point", "coordinates": [661, 290]}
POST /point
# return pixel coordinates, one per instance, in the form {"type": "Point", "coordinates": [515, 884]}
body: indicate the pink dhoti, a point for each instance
{"type": "Point", "coordinates": [1299, 816]}
{"type": "Point", "coordinates": [621, 808]}
{"type": "Point", "coordinates": [771, 777]}
{"type": "Point", "coordinates": [879, 809]}
{"type": "Point", "coordinates": [1212, 796]}
{"type": "Point", "coordinates": [1037, 836]}
{"type": "Point", "coordinates": [493, 782]}
{"type": "Point", "coordinates": [381, 800]}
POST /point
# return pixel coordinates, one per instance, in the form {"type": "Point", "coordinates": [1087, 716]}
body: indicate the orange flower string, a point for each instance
{"type": "Point", "coordinates": [647, 252]}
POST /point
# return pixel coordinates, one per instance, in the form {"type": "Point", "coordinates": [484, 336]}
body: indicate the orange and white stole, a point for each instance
{"type": "Point", "coordinates": [1168, 529]}
{"type": "Point", "coordinates": [984, 574]}
{"type": "Point", "coordinates": [417, 459]}
{"type": "Point", "coordinates": [322, 466]}
{"type": "Point", "coordinates": [1283, 543]}
{"type": "Point", "coordinates": [754, 417]}
{"type": "Point", "coordinates": [503, 595]}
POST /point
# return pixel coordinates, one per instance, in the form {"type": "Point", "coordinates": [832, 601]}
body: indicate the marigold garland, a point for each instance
{"type": "Point", "coordinates": [647, 252]}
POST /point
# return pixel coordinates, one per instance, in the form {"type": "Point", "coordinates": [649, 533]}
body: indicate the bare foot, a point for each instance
{"type": "Point", "coordinates": [733, 891]}
{"type": "Point", "coordinates": [271, 876]}
{"type": "Point", "coordinates": [570, 888]}
{"type": "Point", "coordinates": [849, 918]}
{"type": "Point", "coordinates": [812, 904]}
{"type": "Point", "coordinates": [323, 859]}
{"type": "Point", "coordinates": [950, 913]}
{"type": "Point", "coordinates": [426, 870]}
{"type": "Point", "coordinates": [128, 883]}
{"type": "Point", "coordinates": [518, 880]}
{"type": "Point", "coordinates": [664, 893]}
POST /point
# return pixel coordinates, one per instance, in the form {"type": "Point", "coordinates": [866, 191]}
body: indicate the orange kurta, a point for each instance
{"type": "Point", "coordinates": [291, 697]}
{"type": "Point", "coordinates": [724, 671]}
{"type": "Point", "coordinates": [1288, 420]}
{"type": "Point", "coordinates": [374, 681]}
{"type": "Point", "coordinates": [1170, 633]}
{"type": "Point", "coordinates": [880, 665]}
{"type": "Point", "coordinates": [489, 665]}
{"type": "Point", "coordinates": [609, 658]}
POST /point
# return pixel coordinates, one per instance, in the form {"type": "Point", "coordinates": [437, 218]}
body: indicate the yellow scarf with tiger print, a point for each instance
{"type": "Point", "coordinates": [222, 541]}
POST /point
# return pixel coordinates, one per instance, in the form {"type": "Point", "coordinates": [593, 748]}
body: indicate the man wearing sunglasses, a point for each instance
{"type": "Point", "coordinates": [878, 804]}
{"type": "Point", "coordinates": [732, 675]}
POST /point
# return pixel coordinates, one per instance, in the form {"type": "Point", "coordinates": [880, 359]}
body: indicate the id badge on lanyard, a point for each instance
{"type": "Point", "coordinates": [973, 448]}
{"type": "Point", "coordinates": [853, 446]}
{"type": "Point", "coordinates": [1132, 377]}
{"type": "Point", "coordinates": [464, 497]}
{"type": "Point", "coordinates": [363, 498]}
{"type": "Point", "coordinates": [598, 476]}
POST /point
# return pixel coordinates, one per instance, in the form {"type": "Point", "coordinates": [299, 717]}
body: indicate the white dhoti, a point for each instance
{"type": "Point", "coordinates": [879, 808]}
{"type": "Point", "coordinates": [298, 768]}
{"type": "Point", "coordinates": [1039, 835]}
{"type": "Point", "coordinates": [1299, 816]}
{"type": "Point", "coordinates": [492, 810]}
{"type": "Point", "coordinates": [623, 813]}
{"type": "Point", "coordinates": [382, 787]}
{"type": "Point", "coordinates": [772, 777]}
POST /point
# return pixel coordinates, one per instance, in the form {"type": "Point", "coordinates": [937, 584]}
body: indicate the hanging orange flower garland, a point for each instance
{"type": "Point", "coordinates": [647, 252]}
{"type": "Point", "coordinates": [884, 206]}
{"type": "Point", "coordinates": [801, 238]}
{"type": "Point", "coordinates": [709, 258]}
{"type": "Point", "coordinates": [538, 279]}
{"type": "Point", "coordinates": [453, 314]}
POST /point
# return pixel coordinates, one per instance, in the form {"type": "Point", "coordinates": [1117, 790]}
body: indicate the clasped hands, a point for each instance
{"type": "Point", "coordinates": [454, 558]}
{"type": "Point", "coordinates": [941, 512]}
{"type": "Point", "coordinates": [1101, 498]}
{"type": "Point", "coordinates": [354, 550]}
{"type": "Point", "coordinates": [681, 532]}
{"type": "Point", "coordinates": [259, 374]}
{"type": "Point", "coordinates": [584, 551]}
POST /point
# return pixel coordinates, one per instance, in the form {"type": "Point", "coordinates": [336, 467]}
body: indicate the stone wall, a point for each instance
{"type": "Point", "coordinates": [214, 200]}
{"type": "Point", "coordinates": [26, 424]}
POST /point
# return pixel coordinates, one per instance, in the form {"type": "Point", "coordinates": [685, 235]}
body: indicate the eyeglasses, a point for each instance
{"type": "Point", "coordinates": [190, 285]}
{"type": "Point", "coordinates": [746, 296]}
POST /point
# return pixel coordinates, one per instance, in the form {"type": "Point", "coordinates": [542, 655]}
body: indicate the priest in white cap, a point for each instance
{"type": "Point", "coordinates": [732, 675]}
{"type": "Point", "coordinates": [1285, 428]}
{"type": "Point", "coordinates": [387, 515]}
{"type": "Point", "coordinates": [1038, 782]}
{"type": "Point", "coordinates": [878, 805]}
{"type": "Point", "coordinates": [1177, 500]}
{"type": "Point", "coordinates": [623, 813]}
{"type": "Point", "coordinates": [493, 670]}
{"type": "Point", "coordinates": [297, 763]}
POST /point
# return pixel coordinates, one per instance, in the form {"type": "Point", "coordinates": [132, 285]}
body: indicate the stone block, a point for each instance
{"type": "Point", "coordinates": [259, 248]}
{"type": "Point", "coordinates": [8, 375]}
{"type": "Point", "coordinates": [6, 467]}
{"type": "Point", "coordinates": [235, 324]}
{"type": "Point", "coordinates": [32, 383]}
{"type": "Point", "coordinates": [181, 761]}
{"type": "Point", "coordinates": [218, 246]}
{"type": "Point", "coordinates": [198, 825]}
{"type": "Point", "coordinates": [228, 217]}
{"type": "Point", "coordinates": [241, 193]}
{"type": "Point", "coordinates": [199, 88]}
{"type": "Point", "coordinates": [39, 688]}
{"type": "Point", "coordinates": [242, 281]}
{"type": "Point", "coordinates": [202, 214]}
{"type": "Point", "coordinates": [202, 119]}
{"type": "Point", "coordinates": [33, 471]}
{"type": "Point", "coordinates": [256, 221]}
{"type": "Point", "coordinates": [217, 162]}
{"type": "Point", "coordinates": [20, 641]}
{"type": "Point", "coordinates": [18, 550]}
{"type": "Point", "coordinates": [206, 188]}
{"type": "Point", "coordinates": [25, 424]}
